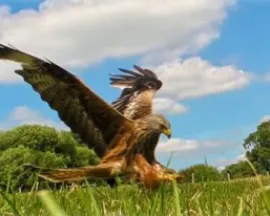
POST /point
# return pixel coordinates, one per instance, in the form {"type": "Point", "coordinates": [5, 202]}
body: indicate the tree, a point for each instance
{"type": "Point", "coordinates": [202, 173]}
{"type": "Point", "coordinates": [257, 145]}
{"type": "Point", "coordinates": [240, 169]}
{"type": "Point", "coordinates": [37, 137]}
{"type": "Point", "coordinates": [42, 146]}
{"type": "Point", "coordinates": [13, 175]}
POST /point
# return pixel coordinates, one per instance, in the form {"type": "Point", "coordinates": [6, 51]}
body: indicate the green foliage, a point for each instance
{"type": "Point", "coordinates": [37, 137]}
{"type": "Point", "coordinates": [261, 137]}
{"type": "Point", "coordinates": [40, 145]}
{"type": "Point", "coordinates": [258, 147]}
{"type": "Point", "coordinates": [85, 156]}
{"type": "Point", "coordinates": [11, 161]}
{"type": "Point", "coordinates": [202, 173]}
{"type": "Point", "coordinates": [239, 170]}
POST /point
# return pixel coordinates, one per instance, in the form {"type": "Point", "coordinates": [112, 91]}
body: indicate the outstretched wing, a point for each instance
{"type": "Point", "coordinates": [82, 110]}
{"type": "Point", "coordinates": [136, 98]}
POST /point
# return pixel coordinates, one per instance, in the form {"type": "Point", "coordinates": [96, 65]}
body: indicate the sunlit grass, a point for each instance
{"type": "Point", "coordinates": [240, 197]}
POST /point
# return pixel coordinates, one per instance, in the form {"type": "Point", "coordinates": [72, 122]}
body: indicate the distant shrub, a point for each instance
{"type": "Point", "coordinates": [240, 169]}
{"type": "Point", "coordinates": [202, 173]}
{"type": "Point", "coordinates": [40, 145]}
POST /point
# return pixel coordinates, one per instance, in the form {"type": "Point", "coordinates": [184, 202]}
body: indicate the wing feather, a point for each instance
{"type": "Point", "coordinates": [81, 109]}
{"type": "Point", "coordinates": [146, 72]}
{"type": "Point", "coordinates": [136, 98]}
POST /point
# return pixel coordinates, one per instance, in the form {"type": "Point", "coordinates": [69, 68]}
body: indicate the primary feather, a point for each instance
{"type": "Point", "coordinates": [82, 110]}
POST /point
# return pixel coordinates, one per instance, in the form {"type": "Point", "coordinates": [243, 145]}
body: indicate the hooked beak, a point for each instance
{"type": "Point", "coordinates": [168, 133]}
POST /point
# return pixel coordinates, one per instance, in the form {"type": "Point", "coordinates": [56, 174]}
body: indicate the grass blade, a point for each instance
{"type": "Point", "coordinates": [176, 199]}
{"type": "Point", "coordinates": [51, 204]}
{"type": "Point", "coordinates": [15, 211]}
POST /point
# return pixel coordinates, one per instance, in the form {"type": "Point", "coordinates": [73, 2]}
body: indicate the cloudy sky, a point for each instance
{"type": "Point", "coordinates": [212, 57]}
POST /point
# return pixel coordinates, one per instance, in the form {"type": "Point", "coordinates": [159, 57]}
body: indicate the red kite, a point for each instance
{"type": "Point", "coordinates": [122, 144]}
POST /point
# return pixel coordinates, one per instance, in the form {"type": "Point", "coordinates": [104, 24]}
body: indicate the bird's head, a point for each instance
{"type": "Point", "coordinates": [159, 124]}
{"type": "Point", "coordinates": [147, 83]}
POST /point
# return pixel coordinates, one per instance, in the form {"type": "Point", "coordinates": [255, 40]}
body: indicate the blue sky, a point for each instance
{"type": "Point", "coordinates": [215, 123]}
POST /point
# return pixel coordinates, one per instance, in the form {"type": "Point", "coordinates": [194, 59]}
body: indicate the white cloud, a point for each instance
{"type": "Point", "coordinates": [241, 157]}
{"type": "Point", "coordinates": [265, 118]}
{"type": "Point", "coordinates": [24, 115]}
{"type": "Point", "coordinates": [78, 33]}
{"type": "Point", "coordinates": [194, 77]}
{"type": "Point", "coordinates": [166, 105]}
{"type": "Point", "coordinates": [192, 147]}
{"type": "Point", "coordinates": [177, 145]}
{"type": "Point", "coordinates": [187, 152]}
{"type": "Point", "coordinates": [7, 74]}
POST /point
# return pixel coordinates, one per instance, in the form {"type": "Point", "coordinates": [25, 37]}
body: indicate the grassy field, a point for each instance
{"type": "Point", "coordinates": [239, 197]}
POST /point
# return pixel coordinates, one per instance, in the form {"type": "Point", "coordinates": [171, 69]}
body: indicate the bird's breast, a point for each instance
{"type": "Point", "coordinates": [141, 105]}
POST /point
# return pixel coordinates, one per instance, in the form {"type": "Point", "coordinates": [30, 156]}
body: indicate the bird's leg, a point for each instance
{"type": "Point", "coordinates": [159, 167]}
{"type": "Point", "coordinates": [168, 172]}
{"type": "Point", "coordinates": [100, 171]}
{"type": "Point", "coordinates": [150, 176]}
{"type": "Point", "coordinates": [156, 165]}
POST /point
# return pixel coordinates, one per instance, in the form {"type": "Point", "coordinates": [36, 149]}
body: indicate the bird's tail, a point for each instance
{"type": "Point", "coordinates": [101, 171]}
{"type": "Point", "coordinates": [66, 175]}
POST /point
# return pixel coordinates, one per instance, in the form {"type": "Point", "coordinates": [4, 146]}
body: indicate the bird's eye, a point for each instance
{"type": "Point", "coordinates": [164, 127]}
{"type": "Point", "coordinates": [150, 85]}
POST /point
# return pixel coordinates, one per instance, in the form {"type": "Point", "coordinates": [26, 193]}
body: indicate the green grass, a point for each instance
{"type": "Point", "coordinates": [235, 198]}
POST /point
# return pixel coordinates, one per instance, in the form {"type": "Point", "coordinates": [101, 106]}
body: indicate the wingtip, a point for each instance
{"type": "Point", "coordinates": [8, 47]}
{"type": "Point", "coordinates": [137, 67]}
{"type": "Point", "coordinates": [11, 46]}
{"type": "Point", "coordinates": [31, 167]}
{"type": "Point", "coordinates": [48, 177]}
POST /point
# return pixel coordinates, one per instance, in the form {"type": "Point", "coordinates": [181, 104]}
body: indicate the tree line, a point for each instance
{"type": "Point", "coordinates": [257, 146]}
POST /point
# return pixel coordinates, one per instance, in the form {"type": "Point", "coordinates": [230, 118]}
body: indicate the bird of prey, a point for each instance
{"type": "Point", "coordinates": [120, 142]}
{"type": "Point", "coordinates": [136, 100]}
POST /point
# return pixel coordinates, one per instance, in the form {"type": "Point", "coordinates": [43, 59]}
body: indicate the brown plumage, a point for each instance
{"type": "Point", "coordinates": [136, 101]}
{"type": "Point", "coordinates": [124, 157]}
{"type": "Point", "coordinates": [117, 140]}
{"type": "Point", "coordinates": [140, 87]}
